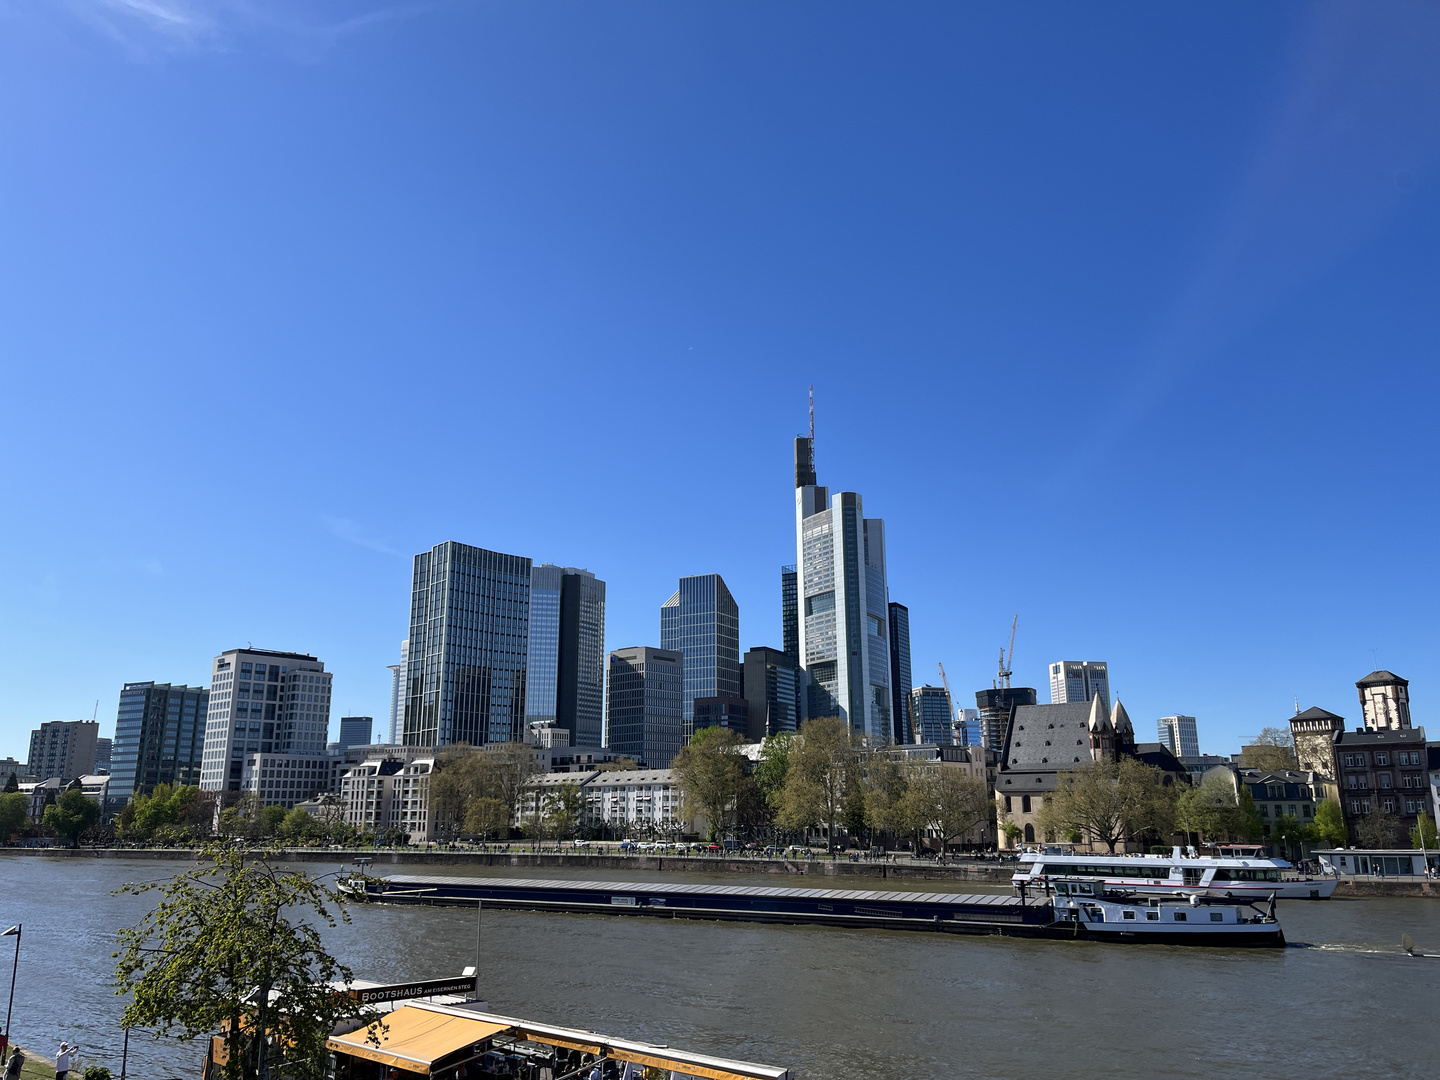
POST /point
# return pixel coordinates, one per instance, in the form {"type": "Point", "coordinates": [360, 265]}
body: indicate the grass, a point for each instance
{"type": "Point", "coordinates": [39, 1067]}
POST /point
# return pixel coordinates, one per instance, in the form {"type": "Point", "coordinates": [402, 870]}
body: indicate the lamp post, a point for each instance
{"type": "Point", "coordinates": [15, 967]}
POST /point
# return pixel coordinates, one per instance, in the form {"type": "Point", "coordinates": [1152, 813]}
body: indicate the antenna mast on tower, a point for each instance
{"type": "Point", "coordinates": [812, 412]}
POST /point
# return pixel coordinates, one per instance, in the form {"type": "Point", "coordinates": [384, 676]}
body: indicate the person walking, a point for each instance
{"type": "Point", "coordinates": [17, 1062]}
{"type": "Point", "coordinates": [62, 1060]}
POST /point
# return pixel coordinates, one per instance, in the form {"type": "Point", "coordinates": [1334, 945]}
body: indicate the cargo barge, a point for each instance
{"type": "Point", "coordinates": [1060, 909]}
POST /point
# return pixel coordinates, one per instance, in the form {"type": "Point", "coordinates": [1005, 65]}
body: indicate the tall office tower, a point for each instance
{"type": "Point", "coordinates": [843, 601]}
{"type": "Point", "coordinates": [1385, 701]}
{"type": "Point", "coordinates": [103, 750]}
{"type": "Point", "coordinates": [159, 739]}
{"type": "Point", "coordinates": [934, 715]}
{"type": "Point", "coordinates": [469, 643]}
{"type": "Point", "coordinates": [644, 719]}
{"type": "Point", "coordinates": [995, 706]}
{"type": "Point", "coordinates": [266, 703]}
{"type": "Point", "coordinates": [396, 731]}
{"type": "Point", "coordinates": [1178, 735]}
{"type": "Point", "coordinates": [790, 614]}
{"type": "Point", "coordinates": [1079, 680]}
{"type": "Point", "coordinates": [901, 716]}
{"type": "Point", "coordinates": [702, 623]}
{"type": "Point", "coordinates": [565, 679]}
{"type": "Point", "coordinates": [770, 680]}
{"type": "Point", "coordinates": [63, 748]}
{"type": "Point", "coordinates": [968, 731]}
{"type": "Point", "coordinates": [355, 731]}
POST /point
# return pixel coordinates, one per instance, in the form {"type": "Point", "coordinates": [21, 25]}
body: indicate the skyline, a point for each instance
{"type": "Point", "coordinates": [1119, 320]}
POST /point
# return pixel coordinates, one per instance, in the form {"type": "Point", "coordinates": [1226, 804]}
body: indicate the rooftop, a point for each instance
{"type": "Point", "coordinates": [1382, 678]}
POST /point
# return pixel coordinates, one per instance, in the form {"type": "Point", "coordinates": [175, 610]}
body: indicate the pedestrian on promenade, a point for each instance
{"type": "Point", "coordinates": [17, 1062]}
{"type": "Point", "coordinates": [62, 1060]}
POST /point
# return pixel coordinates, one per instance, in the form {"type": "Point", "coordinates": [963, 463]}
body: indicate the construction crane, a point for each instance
{"type": "Point", "coordinates": [1003, 676]}
{"type": "Point", "coordinates": [954, 715]}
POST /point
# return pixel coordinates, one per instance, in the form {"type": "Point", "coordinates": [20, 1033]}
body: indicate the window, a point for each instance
{"type": "Point", "coordinates": [1129, 914]}
{"type": "Point", "coordinates": [1382, 758]}
{"type": "Point", "coordinates": [1389, 806]}
{"type": "Point", "coordinates": [1182, 916]}
{"type": "Point", "coordinates": [1217, 916]}
{"type": "Point", "coordinates": [1152, 916]}
{"type": "Point", "coordinates": [1385, 781]}
{"type": "Point", "coordinates": [1025, 804]}
{"type": "Point", "coordinates": [1264, 810]}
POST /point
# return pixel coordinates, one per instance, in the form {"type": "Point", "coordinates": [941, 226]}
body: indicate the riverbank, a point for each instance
{"type": "Point", "coordinates": [37, 1066]}
{"type": "Point", "coordinates": [902, 870]}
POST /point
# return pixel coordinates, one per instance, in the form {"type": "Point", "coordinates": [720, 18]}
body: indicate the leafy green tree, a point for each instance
{"type": "Point", "coordinates": [297, 825]}
{"type": "Point", "coordinates": [958, 802]}
{"type": "Point", "coordinates": [223, 951]}
{"type": "Point", "coordinates": [1330, 824]}
{"type": "Point", "coordinates": [14, 812]}
{"type": "Point", "coordinates": [463, 773]}
{"type": "Point", "coordinates": [1109, 802]}
{"type": "Point", "coordinates": [486, 817]}
{"type": "Point", "coordinates": [563, 810]}
{"type": "Point", "coordinates": [71, 814]}
{"type": "Point", "coordinates": [1248, 824]}
{"type": "Point", "coordinates": [711, 774]}
{"type": "Point", "coordinates": [12, 784]}
{"type": "Point", "coordinates": [771, 769]}
{"type": "Point", "coordinates": [821, 760]}
{"type": "Point", "coordinates": [271, 818]}
{"type": "Point", "coordinates": [623, 764]}
{"type": "Point", "coordinates": [1423, 835]}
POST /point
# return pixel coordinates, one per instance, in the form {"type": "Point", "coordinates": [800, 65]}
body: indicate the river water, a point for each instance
{"type": "Point", "coordinates": [828, 1003]}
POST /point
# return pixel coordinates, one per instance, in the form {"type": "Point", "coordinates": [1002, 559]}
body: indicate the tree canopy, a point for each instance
{"type": "Point", "coordinates": [463, 774]}
{"type": "Point", "coordinates": [71, 814]}
{"type": "Point", "coordinates": [712, 776]}
{"type": "Point", "coordinates": [1110, 802]}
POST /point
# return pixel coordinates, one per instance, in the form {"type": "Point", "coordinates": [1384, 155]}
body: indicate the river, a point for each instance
{"type": "Point", "coordinates": [828, 1003]}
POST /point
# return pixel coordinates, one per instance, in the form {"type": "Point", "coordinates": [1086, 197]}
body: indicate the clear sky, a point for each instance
{"type": "Point", "coordinates": [1122, 316]}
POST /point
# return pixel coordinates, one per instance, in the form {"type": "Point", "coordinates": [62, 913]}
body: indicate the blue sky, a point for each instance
{"type": "Point", "coordinates": [1122, 316]}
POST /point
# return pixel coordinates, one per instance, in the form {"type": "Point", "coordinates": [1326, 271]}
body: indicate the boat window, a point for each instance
{"type": "Point", "coordinates": [1129, 914]}
{"type": "Point", "coordinates": [1217, 916]}
{"type": "Point", "coordinates": [1222, 874]}
{"type": "Point", "coordinates": [1152, 916]}
{"type": "Point", "coordinates": [1182, 916]}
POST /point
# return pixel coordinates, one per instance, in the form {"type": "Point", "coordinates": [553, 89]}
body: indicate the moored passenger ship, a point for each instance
{"type": "Point", "coordinates": [1240, 875]}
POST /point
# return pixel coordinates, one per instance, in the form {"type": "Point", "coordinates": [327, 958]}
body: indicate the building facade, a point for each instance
{"type": "Point", "coordinates": [385, 793]}
{"type": "Point", "coordinates": [902, 719]}
{"type": "Point", "coordinates": [262, 702]}
{"type": "Point", "coordinates": [771, 684]}
{"type": "Point", "coordinates": [1383, 771]}
{"type": "Point", "coordinates": [702, 623]}
{"type": "Point", "coordinates": [1079, 680]}
{"type": "Point", "coordinates": [790, 615]}
{"type": "Point", "coordinates": [730, 713]}
{"type": "Point", "coordinates": [1178, 735]}
{"type": "Point", "coordinates": [64, 749]}
{"type": "Point", "coordinates": [469, 647]}
{"type": "Point", "coordinates": [934, 717]}
{"type": "Point", "coordinates": [565, 679]}
{"type": "Point", "coordinates": [395, 730]}
{"type": "Point", "coordinates": [645, 717]}
{"type": "Point", "coordinates": [355, 731]}
{"type": "Point", "coordinates": [1384, 701]}
{"type": "Point", "coordinates": [1314, 732]}
{"type": "Point", "coordinates": [638, 804]}
{"type": "Point", "coordinates": [287, 779]}
{"type": "Point", "coordinates": [159, 739]}
{"type": "Point", "coordinates": [995, 706]}
{"type": "Point", "coordinates": [843, 603]}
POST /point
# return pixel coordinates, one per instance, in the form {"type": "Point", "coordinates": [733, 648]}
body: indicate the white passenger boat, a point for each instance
{"type": "Point", "coordinates": [1242, 874]}
{"type": "Point", "coordinates": [1092, 911]}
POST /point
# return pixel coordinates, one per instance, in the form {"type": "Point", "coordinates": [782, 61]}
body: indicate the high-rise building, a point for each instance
{"type": "Point", "coordinates": [932, 710]}
{"type": "Point", "coordinates": [995, 706]}
{"type": "Point", "coordinates": [702, 623]}
{"type": "Point", "coordinates": [1385, 701]}
{"type": "Point", "coordinates": [64, 749]}
{"type": "Point", "coordinates": [355, 731]}
{"type": "Point", "coordinates": [644, 719]}
{"type": "Point", "coordinates": [731, 713]}
{"type": "Point", "coordinates": [901, 717]}
{"type": "Point", "coordinates": [968, 731]}
{"type": "Point", "coordinates": [262, 702]}
{"type": "Point", "coordinates": [103, 750]}
{"type": "Point", "coordinates": [565, 679]}
{"type": "Point", "coordinates": [159, 739]}
{"type": "Point", "coordinates": [396, 730]}
{"type": "Point", "coordinates": [790, 614]}
{"type": "Point", "coordinates": [469, 645]}
{"type": "Point", "coordinates": [843, 604]}
{"type": "Point", "coordinates": [1078, 680]}
{"type": "Point", "coordinates": [771, 685]}
{"type": "Point", "coordinates": [1178, 735]}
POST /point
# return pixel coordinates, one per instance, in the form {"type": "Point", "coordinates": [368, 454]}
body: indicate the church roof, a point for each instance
{"type": "Point", "coordinates": [1383, 678]}
{"type": "Point", "coordinates": [1316, 713]}
{"type": "Point", "coordinates": [1047, 737]}
{"type": "Point", "coordinates": [1099, 719]}
{"type": "Point", "coordinates": [1121, 719]}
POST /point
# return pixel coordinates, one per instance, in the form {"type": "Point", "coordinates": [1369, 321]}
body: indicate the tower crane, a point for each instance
{"type": "Point", "coordinates": [1003, 676]}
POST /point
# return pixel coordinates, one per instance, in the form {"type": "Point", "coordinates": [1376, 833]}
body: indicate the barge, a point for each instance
{"type": "Point", "coordinates": [1058, 908]}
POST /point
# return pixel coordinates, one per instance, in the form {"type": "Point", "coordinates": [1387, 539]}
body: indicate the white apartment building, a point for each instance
{"type": "Point", "coordinates": [386, 793]}
{"type": "Point", "coordinates": [638, 801]}
{"type": "Point", "coordinates": [286, 779]}
{"type": "Point", "coordinates": [262, 702]}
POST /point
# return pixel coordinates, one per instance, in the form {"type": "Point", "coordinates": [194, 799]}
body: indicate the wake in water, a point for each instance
{"type": "Point", "coordinates": [1406, 949]}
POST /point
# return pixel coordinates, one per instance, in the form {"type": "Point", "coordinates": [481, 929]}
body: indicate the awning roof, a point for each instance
{"type": "Point", "coordinates": [415, 1039]}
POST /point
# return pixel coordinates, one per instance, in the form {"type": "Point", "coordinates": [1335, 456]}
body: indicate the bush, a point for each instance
{"type": "Point", "coordinates": [95, 1072]}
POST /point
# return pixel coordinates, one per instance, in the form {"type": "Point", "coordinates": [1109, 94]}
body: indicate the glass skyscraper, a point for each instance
{"type": "Point", "coordinates": [565, 684]}
{"type": "Point", "coordinates": [900, 681]}
{"type": "Point", "coordinates": [702, 623]}
{"type": "Point", "coordinates": [159, 739]}
{"type": "Point", "coordinates": [790, 614]}
{"type": "Point", "coordinates": [644, 719]}
{"type": "Point", "coordinates": [469, 645]}
{"type": "Point", "coordinates": [931, 708]}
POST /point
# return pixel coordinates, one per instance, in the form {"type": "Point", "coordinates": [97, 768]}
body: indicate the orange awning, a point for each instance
{"type": "Point", "coordinates": [414, 1039]}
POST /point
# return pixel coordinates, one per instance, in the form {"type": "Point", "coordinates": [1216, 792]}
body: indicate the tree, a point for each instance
{"type": "Point", "coordinates": [12, 784]}
{"type": "Point", "coordinates": [1248, 825]}
{"type": "Point", "coordinates": [623, 764]}
{"type": "Point", "coordinates": [463, 774]}
{"type": "Point", "coordinates": [711, 773]}
{"type": "Point", "coordinates": [770, 771]}
{"type": "Point", "coordinates": [297, 825]}
{"type": "Point", "coordinates": [563, 809]}
{"type": "Point", "coordinates": [820, 763]}
{"type": "Point", "coordinates": [1423, 835]}
{"type": "Point", "coordinates": [486, 817]}
{"type": "Point", "coordinates": [958, 802]}
{"type": "Point", "coordinates": [1109, 802]}
{"type": "Point", "coordinates": [71, 814]}
{"type": "Point", "coordinates": [14, 812]}
{"type": "Point", "coordinates": [1377, 829]}
{"type": "Point", "coordinates": [1330, 824]}
{"type": "Point", "coordinates": [1273, 750]}
{"type": "Point", "coordinates": [220, 952]}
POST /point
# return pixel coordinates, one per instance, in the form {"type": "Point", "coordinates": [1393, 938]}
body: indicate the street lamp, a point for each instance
{"type": "Point", "coordinates": [13, 969]}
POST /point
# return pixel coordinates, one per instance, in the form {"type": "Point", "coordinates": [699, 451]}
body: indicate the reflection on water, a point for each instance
{"type": "Point", "coordinates": [830, 1003]}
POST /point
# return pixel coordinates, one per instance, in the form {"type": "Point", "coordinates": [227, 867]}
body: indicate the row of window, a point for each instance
{"type": "Point", "coordinates": [1359, 807]}
{"type": "Point", "coordinates": [1382, 758]}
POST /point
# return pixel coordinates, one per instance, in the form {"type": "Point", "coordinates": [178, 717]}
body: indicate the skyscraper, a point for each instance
{"type": "Point", "coordinates": [355, 731]}
{"type": "Point", "coordinates": [934, 715]}
{"type": "Point", "coordinates": [770, 683]}
{"type": "Point", "coordinates": [395, 732]}
{"type": "Point", "coordinates": [702, 623]}
{"type": "Point", "coordinates": [1079, 680]}
{"type": "Point", "coordinates": [262, 702]}
{"type": "Point", "coordinates": [644, 718]}
{"type": "Point", "coordinates": [901, 717]}
{"type": "Point", "coordinates": [995, 706]}
{"type": "Point", "coordinates": [843, 602]}
{"type": "Point", "coordinates": [789, 614]}
{"type": "Point", "coordinates": [469, 645]}
{"type": "Point", "coordinates": [565, 679]}
{"type": "Point", "coordinates": [63, 748]}
{"type": "Point", "coordinates": [1178, 735]}
{"type": "Point", "coordinates": [159, 739]}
